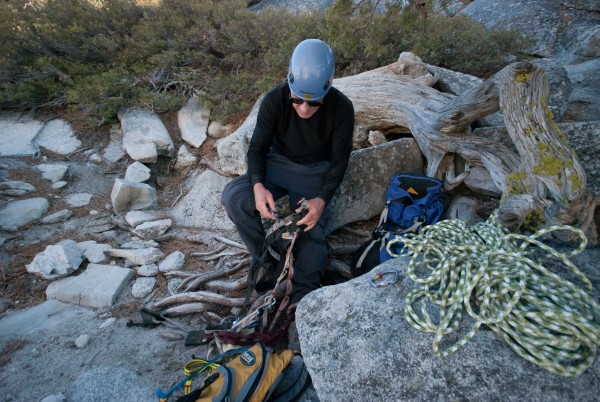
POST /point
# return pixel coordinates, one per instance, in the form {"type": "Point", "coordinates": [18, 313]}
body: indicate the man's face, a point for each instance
{"type": "Point", "coordinates": [304, 110]}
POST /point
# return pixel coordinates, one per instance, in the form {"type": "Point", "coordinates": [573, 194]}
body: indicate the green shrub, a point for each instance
{"type": "Point", "coordinates": [97, 56]}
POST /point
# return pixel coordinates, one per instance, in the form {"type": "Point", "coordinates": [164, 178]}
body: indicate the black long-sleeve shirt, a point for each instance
{"type": "Point", "coordinates": [325, 136]}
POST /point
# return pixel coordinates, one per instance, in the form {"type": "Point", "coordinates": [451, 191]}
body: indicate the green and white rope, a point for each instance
{"type": "Point", "coordinates": [489, 273]}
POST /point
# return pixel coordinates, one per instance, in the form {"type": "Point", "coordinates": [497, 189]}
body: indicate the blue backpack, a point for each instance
{"type": "Point", "coordinates": [412, 201]}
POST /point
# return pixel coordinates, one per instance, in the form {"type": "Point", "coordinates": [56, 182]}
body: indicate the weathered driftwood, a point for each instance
{"type": "Point", "coordinates": [226, 286]}
{"type": "Point", "coordinates": [229, 242]}
{"type": "Point", "coordinates": [543, 178]}
{"type": "Point", "coordinates": [199, 297]}
{"type": "Point", "coordinates": [212, 317]}
{"type": "Point", "coordinates": [212, 252]}
{"type": "Point", "coordinates": [184, 309]}
{"type": "Point", "coordinates": [222, 254]}
{"type": "Point", "coordinates": [222, 269]}
{"type": "Point", "coordinates": [179, 274]}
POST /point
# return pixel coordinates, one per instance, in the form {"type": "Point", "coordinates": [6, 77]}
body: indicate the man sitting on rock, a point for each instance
{"type": "Point", "coordinates": [300, 146]}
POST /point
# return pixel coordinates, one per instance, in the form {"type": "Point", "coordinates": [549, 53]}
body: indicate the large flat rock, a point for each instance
{"type": "Point", "coordinates": [48, 315]}
{"type": "Point", "coordinates": [201, 206]}
{"type": "Point", "coordinates": [98, 286]}
{"type": "Point", "coordinates": [361, 195]}
{"type": "Point", "coordinates": [357, 345]}
{"type": "Point", "coordinates": [17, 133]}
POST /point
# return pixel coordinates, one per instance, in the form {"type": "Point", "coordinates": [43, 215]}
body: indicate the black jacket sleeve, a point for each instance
{"type": "Point", "coordinates": [328, 139]}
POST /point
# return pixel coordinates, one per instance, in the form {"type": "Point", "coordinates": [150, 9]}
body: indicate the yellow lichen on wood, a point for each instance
{"type": "Point", "coordinates": [534, 220]}
{"type": "Point", "coordinates": [522, 77]}
{"type": "Point", "coordinates": [574, 181]}
{"type": "Point", "coordinates": [550, 163]}
{"type": "Point", "coordinates": [514, 183]}
{"type": "Point", "coordinates": [550, 117]}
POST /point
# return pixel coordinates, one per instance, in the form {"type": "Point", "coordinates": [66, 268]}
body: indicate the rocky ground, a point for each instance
{"type": "Point", "coordinates": [62, 351]}
{"type": "Point", "coordinates": [54, 351]}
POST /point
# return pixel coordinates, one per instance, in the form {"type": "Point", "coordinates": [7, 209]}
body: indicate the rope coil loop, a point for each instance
{"type": "Point", "coordinates": [490, 273]}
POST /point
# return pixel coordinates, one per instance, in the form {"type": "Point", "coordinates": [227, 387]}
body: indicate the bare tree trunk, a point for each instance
{"type": "Point", "coordinates": [549, 170]}
{"type": "Point", "coordinates": [544, 178]}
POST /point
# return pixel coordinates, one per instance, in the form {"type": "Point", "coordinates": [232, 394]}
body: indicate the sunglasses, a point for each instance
{"type": "Point", "coordinates": [298, 101]}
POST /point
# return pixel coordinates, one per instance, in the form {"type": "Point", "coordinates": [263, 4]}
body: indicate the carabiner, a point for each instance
{"type": "Point", "coordinates": [384, 278]}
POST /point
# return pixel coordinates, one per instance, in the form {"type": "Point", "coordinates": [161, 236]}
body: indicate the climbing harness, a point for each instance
{"type": "Point", "coordinates": [491, 274]}
{"type": "Point", "coordinates": [384, 278]}
{"type": "Point", "coordinates": [257, 326]}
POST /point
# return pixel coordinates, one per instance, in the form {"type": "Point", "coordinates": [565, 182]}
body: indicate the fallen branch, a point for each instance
{"type": "Point", "coordinates": [209, 276]}
{"type": "Point", "coordinates": [38, 152]}
{"type": "Point", "coordinates": [179, 274]}
{"type": "Point", "coordinates": [226, 286]}
{"type": "Point", "coordinates": [195, 276]}
{"type": "Point", "coordinates": [189, 308]}
{"type": "Point", "coordinates": [229, 242]}
{"type": "Point", "coordinates": [218, 250]}
{"type": "Point", "coordinates": [212, 317]}
{"type": "Point", "coordinates": [177, 199]}
{"type": "Point", "coordinates": [202, 297]}
{"type": "Point", "coordinates": [214, 169]}
{"type": "Point", "coordinates": [222, 254]}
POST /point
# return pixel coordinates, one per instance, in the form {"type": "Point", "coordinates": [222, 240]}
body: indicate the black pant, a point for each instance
{"type": "Point", "coordinates": [282, 177]}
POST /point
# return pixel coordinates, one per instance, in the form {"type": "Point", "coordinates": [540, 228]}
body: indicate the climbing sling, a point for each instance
{"type": "Point", "coordinates": [492, 275]}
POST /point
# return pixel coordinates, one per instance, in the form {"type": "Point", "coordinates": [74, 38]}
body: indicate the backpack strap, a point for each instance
{"type": "Point", "coordinates": [374, 240]}
{"type": "Point", "coordinates": [383, 216]}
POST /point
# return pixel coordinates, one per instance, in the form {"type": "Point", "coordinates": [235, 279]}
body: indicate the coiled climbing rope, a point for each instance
{"type": "Point", "coordinates": [492, 275]}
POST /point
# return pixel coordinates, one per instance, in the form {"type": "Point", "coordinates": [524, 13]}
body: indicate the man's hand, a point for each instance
{"type": "Point", "coordinates": [315, 207]}
{"type": "Point", "coordinates": [263, 199]}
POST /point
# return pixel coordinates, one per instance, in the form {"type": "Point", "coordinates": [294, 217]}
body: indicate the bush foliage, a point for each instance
{"type": "Point", "coordinates": [97, 56]}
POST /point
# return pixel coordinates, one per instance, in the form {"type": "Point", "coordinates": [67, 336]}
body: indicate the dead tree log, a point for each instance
{"type": "Point", "coordinates": [543, 178]}
{"type": "Point", "coordinates": [549, 170]}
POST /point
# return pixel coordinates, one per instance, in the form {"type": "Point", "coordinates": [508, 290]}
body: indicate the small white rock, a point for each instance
{"type": "Point", "coordinates": [95, 158]}
{"type": "Point", "coordinates": [148, 270]}
{"type": "Point", "coordinates": [136, 218]}
{"type": "Point", "coordinates": [377, 138]}
{"type": "Point", "coordinates": [173, 262]}
{"type": "Point", "coordinates": [82, 341]}
{"type": "Point", "coordinates": [143, 286]}
{"type": "Point", "coordinates": [108, 322]}
{"type": "Point", "coordinates": [59, 184]}
{"type": "Point", "coordinates": [54, 398]}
